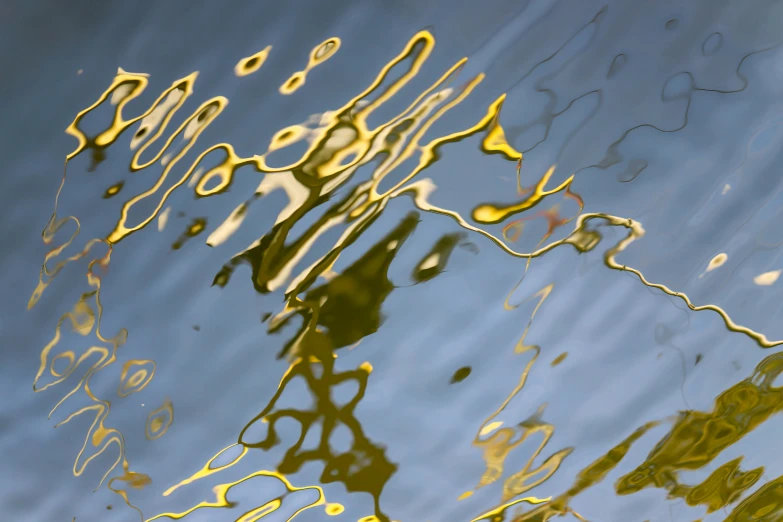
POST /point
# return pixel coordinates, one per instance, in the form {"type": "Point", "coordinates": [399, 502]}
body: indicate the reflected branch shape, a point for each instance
{"type": "Point", "coordinates": [696, 439]}
{"type": "Point", "coordinates": [584, 240]}
{"type": "Point", "coordinates": [347, 307]}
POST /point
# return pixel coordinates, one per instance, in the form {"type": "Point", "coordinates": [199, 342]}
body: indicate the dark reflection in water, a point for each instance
{"type": "Point", "coordinates": [480, 286]}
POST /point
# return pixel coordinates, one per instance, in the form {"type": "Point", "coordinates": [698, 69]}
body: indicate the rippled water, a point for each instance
{"type": "Point", "coordinates": [392, 260]}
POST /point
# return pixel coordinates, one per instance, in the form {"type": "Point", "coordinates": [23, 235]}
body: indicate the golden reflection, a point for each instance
{"type": "Point", "coordinates": [461, 374]}
{"type": "Point", "coordinates": [436, 259]}
{"type": "Point", "coordinates": [113, 190]}
{"type": "Point", "coordinates": [85, 320]}
{"type": "Point", "coordinates": [695, 440]}
{"type": "Point", "coordinates": [329, 306]}
{"type": "Point", "coordinates": [765, 505]}
{"type": "Point", "coordinates": [334, 315]}
{"type": "Point", "coordinates": [491, 213]}
{"type": "Point", "coordinates": [130, 479]}
{"type": "Point", "coordinates": [196, 227]}
{"type": "Point", "coordinates": [501, 441]}
{"type": "Point", "coordinates": [588, 477]}
{"type": "Point", "coordinates": [724, 486]}
{"type": "Point", "coordinates": [222, 491]}
{"type": "Point", "coordinates": [560, 358]}
{"type": "Point", "coordinates": [716, 262]}
{"type": "Point", "coordinates": [498, 514]}
{"type": "Point", "coordinates": [252, 63]}
{"type": "Point", "coordinates": [767, 278]}
{"type": "Point", "coordinates": [159, 421]}
{"type": "Point", "coordinates": [699, 437]}
{"type": "Point", "coordinates": [163, 219]}
{"type": "Point", "coordinates": [135, 376]}
{"type": "Point", "coordinates": [334, 509]}
{"type": "Point", "coordinates": [208, 469]}
{"type": "Point", "coordinates": [320, 54]}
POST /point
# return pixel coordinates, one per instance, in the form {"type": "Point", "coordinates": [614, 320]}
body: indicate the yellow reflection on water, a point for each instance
{"type": "Point", "coordinates": [698, 437]}
{"type": "Point", "coordinates": [159, 420]}
{"type": "Point", "coordinates": [135, 376]}
{"type": "Point", "coordinates": [336, 309]}
{"type": "Point", "coordinates": [319, 55]}
{"type": "Point", "coordinates": [252, 63]}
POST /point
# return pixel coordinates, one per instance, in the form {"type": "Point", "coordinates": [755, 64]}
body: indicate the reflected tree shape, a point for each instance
{"type": "Point", "coordinates": [335, 315]}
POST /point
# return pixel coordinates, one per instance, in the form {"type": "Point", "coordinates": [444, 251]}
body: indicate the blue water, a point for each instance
{"type": "Point", "coordinates": [660, 120]}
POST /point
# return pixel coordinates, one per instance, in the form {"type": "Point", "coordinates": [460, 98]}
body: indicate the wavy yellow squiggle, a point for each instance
{"type": "Point", "coordinates": [340, 144]}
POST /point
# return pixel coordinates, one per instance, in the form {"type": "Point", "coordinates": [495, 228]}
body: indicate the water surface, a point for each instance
{"type": "Point", "coordinates": [379, 261]}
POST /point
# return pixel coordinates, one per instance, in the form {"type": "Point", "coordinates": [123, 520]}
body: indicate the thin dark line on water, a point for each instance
{"type": "Point", "coordinates": [684, 364]}
{"type": "Point", "coordinates": [594, 20]}
{"type": "Point", "coordinates": [551, 117]}
{"type": "Point", "coordinates": [694, 88]}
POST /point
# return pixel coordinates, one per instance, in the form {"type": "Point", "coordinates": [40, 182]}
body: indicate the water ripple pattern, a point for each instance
{"type": "Point", "coordinates": [559, 126]}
